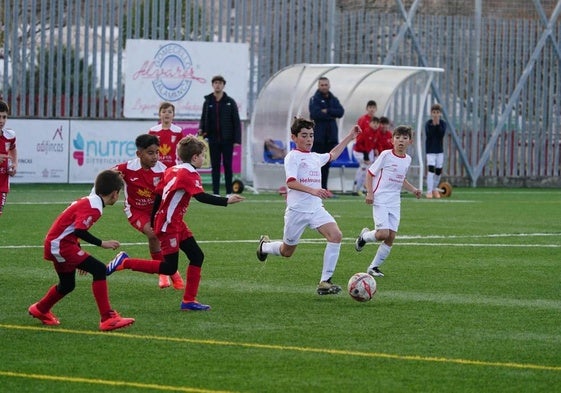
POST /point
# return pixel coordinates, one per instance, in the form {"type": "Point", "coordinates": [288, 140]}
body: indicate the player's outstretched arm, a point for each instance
{"type": "Point", "coordinates": [210, 199]}
{"type": "Point", "coordinates": [337, 150]}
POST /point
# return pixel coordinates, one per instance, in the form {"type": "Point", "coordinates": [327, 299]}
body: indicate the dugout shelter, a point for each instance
{"type": "Point", "coordinates": [401, 94]}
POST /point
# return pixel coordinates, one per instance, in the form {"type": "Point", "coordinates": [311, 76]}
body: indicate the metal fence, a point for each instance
{"type": "Point", "coordinates": [501, 90]}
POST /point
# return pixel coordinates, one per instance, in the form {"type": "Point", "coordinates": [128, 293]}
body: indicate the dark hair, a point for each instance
{"type": "Point", "coordinates": [298, 123]}
{"type": "Point", "coordinates": [384, 120]}
{"type": "Point", "coordinates": [371, 103]}
{"type": "Point", "coordinates": [188, 147]}
{"type": "Point", "coordinates": [4, 107]}
{"type": "Point", "coordinates": [108, 181]}
{"type": "Point", "coordinates": [436, 107]}
{"type": "Point", "coordinates": [143, 141]}
{"type": "Point", "coordinates": [375, 119]}
{"type": "Point", "coordinates": [218, 78]}
{"type": "Point", "coordinates": [166, 105]}
{"type": "Point", "coordinates": [403, 130]}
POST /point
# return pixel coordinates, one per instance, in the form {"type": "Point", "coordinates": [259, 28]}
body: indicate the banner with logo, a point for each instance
{"type": "Point", "coordinates": [42, 150]}
{"type": "Point", "coordinates": [75, 151]}
{"type": "Point", "coordinates": [98, 145]}
{"type": "Point", "coordinates": [180, 72]}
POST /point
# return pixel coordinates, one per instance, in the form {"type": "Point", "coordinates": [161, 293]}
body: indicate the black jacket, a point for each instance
{"type": "Point", "coordinates": [325, 130]}
{"type": "Point", "coordinates": [220, 120]}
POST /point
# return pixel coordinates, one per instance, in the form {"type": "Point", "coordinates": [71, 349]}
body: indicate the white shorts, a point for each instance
{"type": "Point", "coordinates": [435, 159]}
{"type": "Point", "coordinates": [386, 217]}
{"type": "Point", "coordinates": [295, 223]}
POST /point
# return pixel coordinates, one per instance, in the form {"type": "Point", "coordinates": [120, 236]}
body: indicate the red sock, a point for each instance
{"type": "Point", "coordinates": [158, 256]}
{"type": "Point", "coordinates": [192, 286]}
{"type": "Point", "coordinates": [101, 295]}
{"type": "Point", "coordinates": [49, 300]}
{"type": "Point", "coordinates": [142, 265]}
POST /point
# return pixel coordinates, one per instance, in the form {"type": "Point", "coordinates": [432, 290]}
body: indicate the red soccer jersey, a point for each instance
{"type": "Point", "coordinates": [60, 242]}
{"type": "Point", "coordinates": [7, 143]}
{"type": "Point", "coordinates": [180, 183]}
{"type": "Point", "coordinates": [366, 140]}
{"type": "Point", "coordinates": [384, 140]}
{"type": "Point", "coordinates": [169, 138]}
{"type": "Point", "coordinates": [140, 184]}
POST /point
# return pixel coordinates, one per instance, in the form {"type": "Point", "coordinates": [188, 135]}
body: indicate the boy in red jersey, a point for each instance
{"type": "Point", "coordinates": [62, 248]}
{"type": "Point", "coordinates": [141, 176]}
{"type": "Point", "coordinates": [8, 155]}
{"type": "Point", "coordinates": [169, 136]}
{"type": "Point", "coordinates": [384, 136]}
{"type": "Point", "coordinates": [363, 149]}
{"type": "Point", "coordinates": [173, 194]}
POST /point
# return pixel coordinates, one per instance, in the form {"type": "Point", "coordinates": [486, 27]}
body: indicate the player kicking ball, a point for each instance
{"type": "Point", "coordinates": [304, 206]}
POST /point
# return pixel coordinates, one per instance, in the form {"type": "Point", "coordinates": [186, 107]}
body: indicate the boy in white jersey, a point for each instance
{"type": "Point", "coordinates": [384, 180]}
{"type": "Point", "coordinates": [304, 206]}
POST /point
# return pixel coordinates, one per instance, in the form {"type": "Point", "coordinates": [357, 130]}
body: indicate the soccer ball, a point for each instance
{"type": "Point", "coordinates": [362, 287]}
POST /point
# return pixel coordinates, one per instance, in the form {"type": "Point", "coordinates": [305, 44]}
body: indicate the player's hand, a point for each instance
{"type": "Point", "coordinates": [355, 131]}
{"type": "Point", "coordinates": [235, 198]}
{"type": "Point", "coordinates": [12, 170]}
{"type": "Point", "coordinates": [110, 244]}
{"type": "Point", "coordinates": [418, 193]}
{"type": "Point", "coordinates": [322, 193]}
{"type": "Point", "coordinates": [82, 272]}
{"type": "Point", "coordinates": [369, 198]}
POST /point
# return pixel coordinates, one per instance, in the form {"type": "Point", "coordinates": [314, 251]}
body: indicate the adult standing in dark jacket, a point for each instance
{"type": "Point", "coordinates": [220, 124]}
{"type": "Point", "coordinates": [325, 109]}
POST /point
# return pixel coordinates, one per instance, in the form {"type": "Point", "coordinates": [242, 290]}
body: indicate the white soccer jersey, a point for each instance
{"type": "Point", "coordinates": [388, 172]}
{"type": "Point", "coordinates": [305, 167]}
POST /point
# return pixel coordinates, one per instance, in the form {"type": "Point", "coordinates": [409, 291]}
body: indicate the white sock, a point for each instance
{"type": "Point", "coordinates": [381, 255]}
{"type": "Point", "coordinates": [360, 178]}
{"type": "Point", "coordinates": [330, 258]}
{"type": "Point", "coordinates": [436, 181]}
{"type": "Point", "coordinates": [272, 248]}
{"type": "Point", "coordinates": [430, 181]}
{"type": "Point", "coordinates": [370, 236]}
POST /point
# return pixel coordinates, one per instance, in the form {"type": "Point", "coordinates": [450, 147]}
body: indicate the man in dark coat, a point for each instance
{"type": "Point", "coordinates": [325, 109]}
{"type": "Point", "coordinates": [220, 124]}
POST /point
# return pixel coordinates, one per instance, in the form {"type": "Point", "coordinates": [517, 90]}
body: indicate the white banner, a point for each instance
{"type": "Point", "coordinates": [42, 150]}
{"type": "Point", "coordinates": [98, 145]}
{"type": "Point", "coordinates": [75, 151]}
{"type": "Point", "coordinates": [180, 72]}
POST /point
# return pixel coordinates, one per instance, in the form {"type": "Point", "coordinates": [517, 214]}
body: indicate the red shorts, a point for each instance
{"type": "Point", "coordinates": [66, 260]}
{"type": "Point", "coordinates": [139, 220]}
{"type": "Point", "coordinates": [169, 241]}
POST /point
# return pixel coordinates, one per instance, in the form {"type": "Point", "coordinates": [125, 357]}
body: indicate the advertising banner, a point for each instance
{"type": "Point", "coordinates": [75, 151]}
{"type": "Point", "coordinates": [99, 145]}
{"type": "Point", "coordinates": [180, 72]}
{"type": "Point", "coordinates": [42, 150]}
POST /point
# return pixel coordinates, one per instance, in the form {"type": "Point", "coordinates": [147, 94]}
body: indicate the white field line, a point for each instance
{"type": "Point", "coordinates": [400, 240]}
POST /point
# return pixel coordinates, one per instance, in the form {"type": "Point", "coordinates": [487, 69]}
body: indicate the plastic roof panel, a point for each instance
{"type": "Point", "coordinates": [287, 94]}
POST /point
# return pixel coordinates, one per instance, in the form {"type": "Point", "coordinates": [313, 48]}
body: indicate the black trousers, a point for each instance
{"type": "Point", "coordinates": [221, 152]}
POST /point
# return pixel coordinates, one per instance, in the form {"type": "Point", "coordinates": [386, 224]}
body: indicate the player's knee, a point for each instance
{"type": "Point", "coordinates": [98, 271]}
{"type": "Point", "coordinates": [66, 286]}
{"type": "Point", "coordinates": [438, 171]}
{"type": "Point", "coordinates": [335, 237]}
{"type": "Point", "coordinates": [197, 258]}
{"type": "Point", "coordinates": [431, 168]}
